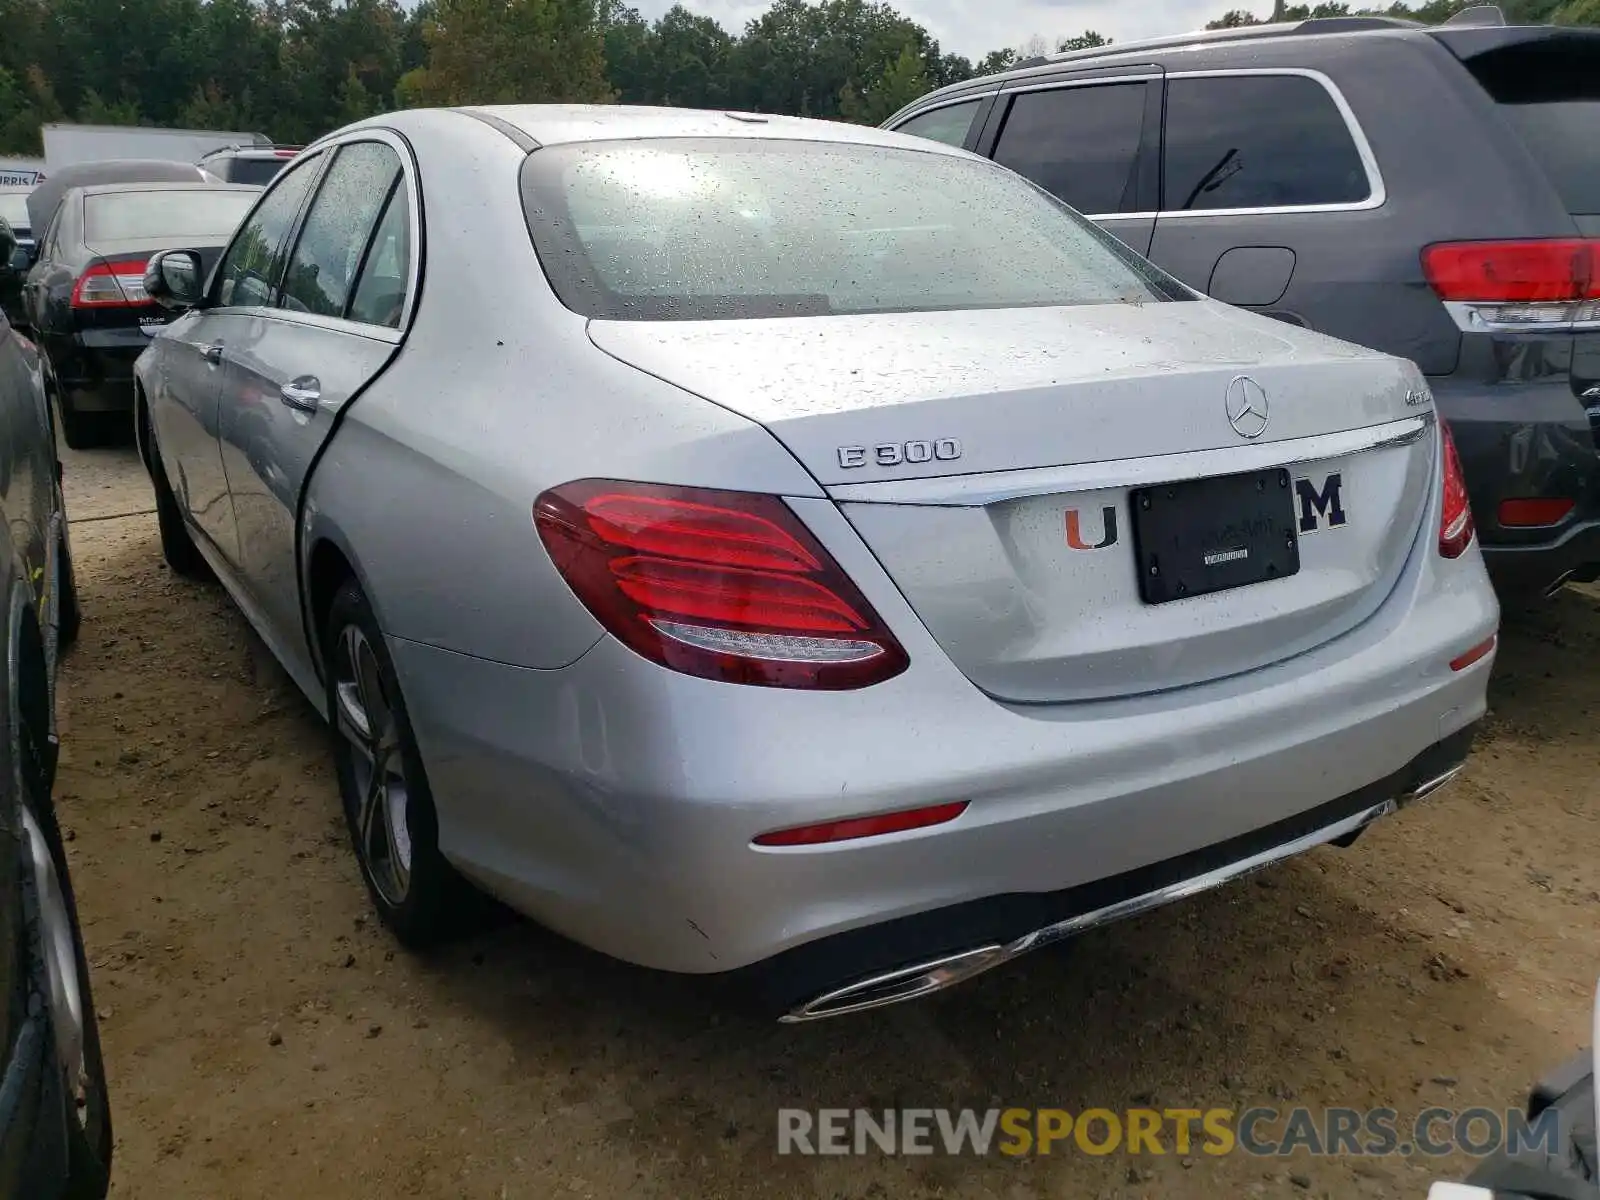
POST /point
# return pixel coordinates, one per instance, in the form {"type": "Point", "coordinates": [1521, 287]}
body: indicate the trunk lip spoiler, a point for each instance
{"type": "Point", "coordinates": [977, 491]}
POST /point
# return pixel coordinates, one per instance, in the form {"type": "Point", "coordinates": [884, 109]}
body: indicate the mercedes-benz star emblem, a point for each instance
{"type": "Point", "coordinates": [1247, 407]}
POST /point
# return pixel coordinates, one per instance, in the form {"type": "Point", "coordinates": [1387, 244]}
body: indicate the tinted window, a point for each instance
{"type": "Point", "coordinates": [381, 291]}
{"type": "Point", "coordinates": [181, 214]}
{"type": "Point", "coordinates": [250, 273]}
{"type": "Point", "coordinates": [1078, 143]}
{"type": "Point", "coordinates": [336, 229]}
{"type": "Point", "coordinates": [1550, 92]}
{"type": "Point", "coordinates": [948, 124]}
{"type": "Point", "coordinates": [1258, 141]}
{"type": "Point", "coordinates": [259, 171]}
{"type": "Point", "coordinates": [687, 229]}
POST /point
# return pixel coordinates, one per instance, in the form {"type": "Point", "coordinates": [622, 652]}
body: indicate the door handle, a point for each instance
{"type": "Point", "coordinates": [212, 353]}
{"type": "Point", "coordinates": [302, 394]}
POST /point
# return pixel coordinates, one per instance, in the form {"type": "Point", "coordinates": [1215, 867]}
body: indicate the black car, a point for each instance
{"type": "Point", "coordinates": [248, 164]}
{"type": "Point", "coordinates": [55, 1122]}
{"type": "Point", "coordinates": [14, 265]}
{"type": "Point", "coordinates": [1429, 191]}
{"type": "Point", "coordinates": [84, 298]}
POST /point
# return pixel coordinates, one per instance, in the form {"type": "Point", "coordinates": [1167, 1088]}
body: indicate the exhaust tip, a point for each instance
{"type": "Point", "coordinates": [1433, 785]}
{"type": "Point", "coordinates": [893, 987]}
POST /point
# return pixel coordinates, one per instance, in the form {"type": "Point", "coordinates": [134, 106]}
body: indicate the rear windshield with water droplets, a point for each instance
{"type": "Point", "coordinates": [732, 229]}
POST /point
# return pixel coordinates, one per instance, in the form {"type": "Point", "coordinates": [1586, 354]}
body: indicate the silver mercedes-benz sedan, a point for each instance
{"type": "Point", "coordinates": [753, 543]}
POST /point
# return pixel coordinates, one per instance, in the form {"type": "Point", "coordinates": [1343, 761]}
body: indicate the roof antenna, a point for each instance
{"type": "Point", "coordinates": [1479, 15]}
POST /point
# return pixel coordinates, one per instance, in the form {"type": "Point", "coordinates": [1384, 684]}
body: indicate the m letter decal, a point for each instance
{"type": "Point", "coordinates": [1317, 508]}
{"type": "Point", "coordinates": [1075, 537]}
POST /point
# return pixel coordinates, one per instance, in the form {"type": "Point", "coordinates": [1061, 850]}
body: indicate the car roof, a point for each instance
{"type": "Point", "coordinates": [1470, 32]}
{"type": "Point", "coordinates": [559, 124]}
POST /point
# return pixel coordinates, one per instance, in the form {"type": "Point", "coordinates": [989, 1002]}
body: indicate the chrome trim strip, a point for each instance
{"type": "Point", "coordinates": [1477, 316]}
{"type": "Point", "coordinates": [1098, 80]}
{"type": "Point", "coordinates": [964, 98]}
{"type": "Point", "coordinates": [974, 491]}
{"type": "Point", "coordinates": [908, 983]}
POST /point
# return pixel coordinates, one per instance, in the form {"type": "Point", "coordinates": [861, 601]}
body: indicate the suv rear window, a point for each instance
{"type": "Point", "coordinates": [1550, 93]}
{"type": "Point", "coordinates": [259, 171]}
{"type": "Point", "coordinates": [730, 229]}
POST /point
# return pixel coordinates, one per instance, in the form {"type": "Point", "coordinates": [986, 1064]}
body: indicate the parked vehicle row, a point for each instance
{"type": "Point", "coordinates": [1432, 192]}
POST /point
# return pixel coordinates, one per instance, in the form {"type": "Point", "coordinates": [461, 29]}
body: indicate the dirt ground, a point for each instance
{"type": "Point", "coordinates": [265, 1038]}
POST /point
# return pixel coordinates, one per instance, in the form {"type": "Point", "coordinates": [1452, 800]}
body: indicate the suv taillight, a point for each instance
{"type": "Point", "coordinates": [1455, 513]}
{"type": "Point", "coordinates": [724, 585]}
{"type": "Point", "coordinates": [111, 285]}
{"type": "Point", "coordinates": [1517, 286]}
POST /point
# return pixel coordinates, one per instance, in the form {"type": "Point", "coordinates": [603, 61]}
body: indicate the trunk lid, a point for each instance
{"type": "Point", "coordinates": [1020, 442]}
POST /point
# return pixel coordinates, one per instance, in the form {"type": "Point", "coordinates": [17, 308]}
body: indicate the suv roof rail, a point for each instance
{"type": "Point", "coordinates": [1312, 25]}
{"type": "Point", "coordinates": [1480, 15]}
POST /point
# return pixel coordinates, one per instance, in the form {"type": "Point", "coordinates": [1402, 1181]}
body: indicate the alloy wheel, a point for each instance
{"type": "Point", "coordinates": [367, 723]}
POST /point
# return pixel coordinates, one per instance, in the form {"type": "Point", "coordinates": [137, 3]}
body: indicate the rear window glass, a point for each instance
{"type": "Point", "coordinates": [115, 216]}
{"type": "Point", "coordinates": [726, 229]}
{"type": "Point", "coordinates": [14, 209]}
{"type": "Point", "coordinates": [1550, 93]}
{"type": "Point", "coordinates": [259, 171]}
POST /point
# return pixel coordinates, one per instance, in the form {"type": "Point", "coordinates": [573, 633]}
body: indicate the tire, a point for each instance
{"type": "Point", "coordinates": [177, 546]}
{"type": "Point", "coordinates": [53, 904]}
{"type": "Point", "coordinates": [80, 431]}
{"type": "Point", "coordinates": [416, 892]}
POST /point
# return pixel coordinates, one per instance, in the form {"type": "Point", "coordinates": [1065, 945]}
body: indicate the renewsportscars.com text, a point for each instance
{"type": "Point", "coordinates": [1263, 1132]}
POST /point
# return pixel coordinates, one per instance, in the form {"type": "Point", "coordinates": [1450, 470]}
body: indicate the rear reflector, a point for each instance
{"type": "Point", "coordinates": [724, 585]}
{"type": "Point", "coordinates": [1476, 654]}
{"type": "Point", "coordinates": [861, 827]}
{"type": "Point", "coordinates": [1534, 511]}
{"type": "Point", "coordinates": [1522, 272]}
{"type": "Point", "coordinates": [1455, 512]}
{"type": "Point", "coordinates": [111, 285]}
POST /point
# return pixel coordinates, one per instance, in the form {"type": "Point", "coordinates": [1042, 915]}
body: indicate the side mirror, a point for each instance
{"type": "Point", "coordinates": [172, 279]}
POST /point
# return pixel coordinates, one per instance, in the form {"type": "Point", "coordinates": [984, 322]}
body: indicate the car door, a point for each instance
{"type": "Point", "coordinates": [291, 370]}
{"type": "Point", "coordinates": [1091, 139]}
{"type": "Point", "coordinates": [188, 372]}
{"type": "Point", "coordinates": [1262, 167]}
{"type": "Point", "coordinates": [27, 460]}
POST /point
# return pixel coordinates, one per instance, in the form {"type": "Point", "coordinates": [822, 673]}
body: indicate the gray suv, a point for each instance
{"type": "Point", "coordinates": [1429, 191]}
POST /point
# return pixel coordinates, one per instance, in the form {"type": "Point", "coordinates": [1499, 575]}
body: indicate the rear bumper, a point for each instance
{"type": "Point", "coordinates": [617, 802]}
{"type": "Point", "coordinates": [94, 367]}
{"type": "Point", "coordinates": [1523, 441]}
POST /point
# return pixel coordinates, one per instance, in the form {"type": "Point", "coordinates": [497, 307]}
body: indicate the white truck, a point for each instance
{"type": "Point", "coordinates": [67, 144]}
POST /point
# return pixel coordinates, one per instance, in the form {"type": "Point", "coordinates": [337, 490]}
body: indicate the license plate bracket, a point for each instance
{"type": "Point", "coordinates": [1211, 535]}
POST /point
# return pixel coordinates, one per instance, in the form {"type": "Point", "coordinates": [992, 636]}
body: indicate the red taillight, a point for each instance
{"type": "Point", "coordinates": [286, 152]}
{"type": "Point", "coordinates": [1534, 511]}
{"type": "Point", "coordinates": [111, 285]}
{"type": "Point", "coordinates": [724, 585]}
{"type": "Point", "coordinates": [1553, 270]}
{"type": "Point", "coordinates": [1455, 515]}
{"type": "Point", "coordinates": [860, 827]}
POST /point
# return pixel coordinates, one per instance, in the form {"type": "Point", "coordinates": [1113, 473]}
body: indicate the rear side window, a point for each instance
{"type": "Point", "coordinates": [259, 171]}
{"type": "Point", "coordinates": [949, 124]}
{"type": "Point", "coordinates": [336, 230]}
{"type": "Point", "coordinates": [1550, 93]}
{"type": "Point", "coordinates": [381, 290]}
{"type": "Point", "coordinates": [729, 229]}
{"type": "Point", "coordinates": [1078, 143]}
{"type": "Point", "coordinates": [1258, 141]}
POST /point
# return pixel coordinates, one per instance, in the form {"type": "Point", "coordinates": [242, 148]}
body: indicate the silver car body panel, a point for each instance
{"type": "Point", "coordinates": [616, 801]}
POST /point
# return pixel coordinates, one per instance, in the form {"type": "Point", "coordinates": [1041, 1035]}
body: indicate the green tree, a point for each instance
{"type": "Point", "coordinates": [510, 51]}
{"type": "Point", "coordinates": [905, 80]}
{"type": "Point", "coordinates": [1087, 40]}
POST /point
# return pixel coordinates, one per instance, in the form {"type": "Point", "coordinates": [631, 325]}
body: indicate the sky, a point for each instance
{"type": "Point", "coordinates": [974, 27]}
